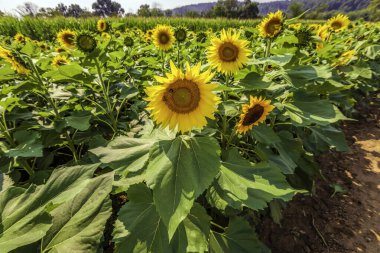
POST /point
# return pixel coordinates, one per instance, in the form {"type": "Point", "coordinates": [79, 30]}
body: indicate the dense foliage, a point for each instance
{"type": "Point", "coordinates": [83, 118]}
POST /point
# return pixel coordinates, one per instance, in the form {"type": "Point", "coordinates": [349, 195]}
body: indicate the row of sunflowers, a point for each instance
{"type": "Point", "coordinates": [170, 140]}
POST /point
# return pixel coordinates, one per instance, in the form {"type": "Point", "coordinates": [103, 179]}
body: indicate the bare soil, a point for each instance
{"type": "Point", "coordinates": [341, 223]}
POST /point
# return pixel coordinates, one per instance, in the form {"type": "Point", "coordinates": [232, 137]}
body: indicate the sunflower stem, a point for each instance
{"type": "Point", "coordinates": [163, 61]}
{"type": "Point", "coordinates": [267, 51]}
{"type": "Point", "coordinates": [178, 56]}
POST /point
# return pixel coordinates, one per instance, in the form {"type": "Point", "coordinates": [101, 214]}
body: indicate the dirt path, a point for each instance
{"type": "Point", "coordinates": [347, 222]}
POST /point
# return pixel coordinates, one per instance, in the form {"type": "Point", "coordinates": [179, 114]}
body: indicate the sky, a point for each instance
{"type": "Point", "coordinates": [128, 5]}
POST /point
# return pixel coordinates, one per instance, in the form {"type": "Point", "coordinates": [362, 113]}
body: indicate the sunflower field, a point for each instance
{"type": "Point", "coordinates": [126, 139]}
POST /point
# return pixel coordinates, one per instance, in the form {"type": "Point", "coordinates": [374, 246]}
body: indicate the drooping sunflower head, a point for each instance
{"type": "Point", "coordinates": [19, 38]}
{"type": "Point", "coordinates": [101, 25]}
{"type": "Point", "coordinates": [85, 42]}
{"type": "Point", "coordinates": [66, 38]}
{"type": "Point", "coordinates": [180, 34]}
{"type": "Point", "coordinates": [338, 23]}
{"type": "Point", "coordinates": [18, 64]}
{"type": "Point", "coordinates": [323, 32]}
{"type": "Point", "coordinates": [345, 58]}
{"type": "Point", "coordinates": [314, 27]}
{"type": "Point", "coordinates": [106, 36]}
{"type": "Point", "coordinates": [128, 41]}
{"type": "Point", "coordinates": [272, 25]}
{"type": "Point", "coordinates": [183, 101]}
{"type": "Point", "coordinates": [202, 37]}
{"type": "Point", "coordinates": [253, 113]}
{"type": "Point", "coordinates": [228, 53]}
{"type": "Point", "coordinates": [60, 60]}
{"type": "Point", "coordinates": [304, 36]}
{"type": "Point", "coordinates": [163, 37]}
{"type": "Point", "coordinates": [295, 27]}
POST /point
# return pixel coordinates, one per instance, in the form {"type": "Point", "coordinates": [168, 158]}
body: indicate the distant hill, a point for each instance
{"type": "Point", "coordinates": [327, 5]}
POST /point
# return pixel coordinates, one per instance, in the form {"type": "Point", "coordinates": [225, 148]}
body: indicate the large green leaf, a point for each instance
{"type": "Point", "coordinates": [125, 154]}
{"type": "Point", "coordinates": [311, 109]}
{"type": "Point", "coordinates": [239, 237]}
{"type": "Point", "coordinates": [302, 75]}
{"type": "Point", "coordinates": [241, 183]}
{"type": "Point", "coordinates": [24, 216]}
{"type": "Point", "coordinates": [79, 224]}
{"type": "Point", "coordinates": [179, 171]}
{"type": "Point", "coordinates": [328, 137]}
{"type": "Point", "coordinates": [140, 229]}
{"type": "Point", "coordinates": [79, 120]}
{"type": "Point", "coordinates": [29, 145]}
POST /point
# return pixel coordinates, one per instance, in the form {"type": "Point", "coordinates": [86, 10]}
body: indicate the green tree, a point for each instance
{"type": "Point", "coordinates": [106, 8]}
{"type": "Point", "coordinates": [144, 11]}
{"type": "Point", "coordinates": [295, 9]}
{"type": "Point", "coordinates": [374, 10]}
{"type": "Point", "coordinates": [219, 9]}
{"type": "Point", "coordinates": [249, 10]}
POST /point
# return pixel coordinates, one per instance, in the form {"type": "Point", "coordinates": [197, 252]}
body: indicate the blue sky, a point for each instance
{"type": "Point", "coordinates": [128, 5]}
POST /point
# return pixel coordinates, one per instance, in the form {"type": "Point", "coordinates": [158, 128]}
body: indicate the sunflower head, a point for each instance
{"type": "Point", "coordinates": [60, 60]}
{"type": "Point", "coordinates": [85, 42]}
{"type": "Point", "coordinates": [106, 36]}
{"type": "Point", "coordinates": [128, 41]}
{"type": "Point", "coordinates": [18, 64]}
{"type": "Point", "coordinates": [201, 37]}
{"type": "Point", "coordinates": [163, 37]}
{"type": "Point", "coordinates": [19, 38]}
{"type": "Point", "coordinates": [272, 25]}
{"type": "Point", "coordinates": [345, 58]}
{"type": "Point", "coordinates": [253, 113]}
{"type": "Point", "coordinates": [338, 23]}
{"type": "Point", "coordinates": [180, 34]}
{"type": "Point", "coordinates": [295, 27]}
{"type": "Point", "coordinates": [66, 38]}
{"type": "Point", "coordinates": [183, 101]}
{"type": "Point", "coordinates": [228, 53]}
{"type": "Point", "coordinates": [117, 34]}
{"type": "Point", "coordinates": [323, 32]}
{"type": "Point", "coordinates": [314, 27]}
{"type": "Point", "coordinates": [304, 37]}
{"type": "Point", "coordinates": [101, 25]}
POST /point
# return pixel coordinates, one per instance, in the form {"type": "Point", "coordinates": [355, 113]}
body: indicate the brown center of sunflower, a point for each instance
{"type": "Point", "coordinates": [336, 25]}
{"type": "Point", "coordinates": [163, 38]}
{"type": "Point", "coordinates": [102, 26]}
{"type": "Point", "coordinates": [182, 96]}
{"type": "Point", "coordinates": [273, 26]}
{"type": "Point", "coordinates": [228, 52]}
{"type": "Point", "coordinates": [61, 62]}
{"type": "Point", "coordinates": [69, 39]}
{"type": "Point", "coordinates": [253, 114]}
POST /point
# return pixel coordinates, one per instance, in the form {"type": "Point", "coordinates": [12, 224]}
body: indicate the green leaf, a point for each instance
{"type": "Point", "coordinates": [310, 109]}
{"type": "Point", "coordinates": [79, 224]}
{"type": "Point", "coordinates": [253, 81]}
{"type": "Point", "coordinates": [30, 145]}
{"type": "Point", "coordinates": [125, 154]}
{"type": "Point", "coordinates": [79, 120]}
{"type": "Point", "coordinates": [330, 137]}
{"type": "Point", "coordinates": [179, 171]}
{"type": "Point", "coordinates": [140, 229]}
{"type": "Point", "coordinates": [264, 134]}
{"type": "Point", "coordinates": [239, 237]}
{"type": "Point", "coordinates": [241, 183]}
{"type": "Point", "coordinates": [25, 217]}
{"type": "Point", "coordinates": [301, 75]}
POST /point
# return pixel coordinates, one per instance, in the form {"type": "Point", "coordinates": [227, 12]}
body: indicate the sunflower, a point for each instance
{"type": "Point", "coordinates": [128, 41]}
{"type": "Point", "coordinates": [17, 63]}
{"type": "Point", "coordinates": [295, 27]}
{"type": "Point", "coordinates": [272, 25]}
{"type": "Point", "coordinates": [323, 33]}
{"type": "Point", "coordinates": [60, 60]}
{"type": "Point", "coordinates": [85, 42]}
{"type": "Point", "coordinates": [60, 50]}
{"type": "Point", "coordinates": [163, 37]}
{"type": "Point", "coordinates": [106, 36]}
{"type": "Point", "coordinates": [66, 38]}
{"type": "Point", "coordinates": [228, 53]}
{"type": "Point", "coordinates": [345, 58]}
{"type": "Point", "coordinates": [19, 38]}
{"type": "Point", "coordinates": [183, 101]}
{"type": "Point", "coordinates": [180, 34]}
{"type": "Point", "coordinates": [253, 113]}
{"type": "Point", "coordinates": [338, 23]}
{"type": "Point", "coordinates": [101, 25]}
